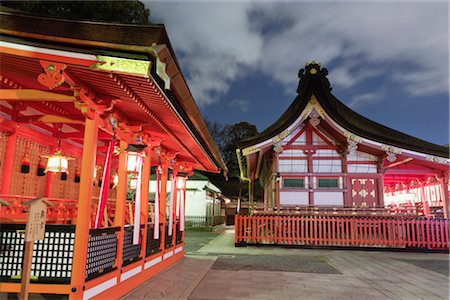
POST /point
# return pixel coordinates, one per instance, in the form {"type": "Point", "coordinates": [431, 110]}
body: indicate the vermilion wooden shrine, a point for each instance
{"type": "Point", "coordinates": [323, 163]}
{"type": "Point", "coordinates": [85, 110]}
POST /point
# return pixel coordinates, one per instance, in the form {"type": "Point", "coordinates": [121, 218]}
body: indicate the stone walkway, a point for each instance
{"type": "Point", "coordinates": [218, 270]}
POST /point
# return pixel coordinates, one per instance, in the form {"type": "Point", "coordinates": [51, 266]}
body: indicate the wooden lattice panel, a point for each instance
{"type": "Point", "coordinates": [364, 191]}
{"type": "Point", "coordinates": [3, 141]}
{"type": "Point", "coordinates": [28, 184]}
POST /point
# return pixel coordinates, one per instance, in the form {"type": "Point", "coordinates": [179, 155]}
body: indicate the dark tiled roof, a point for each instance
{"type": "Point", "coordinates": [317, 84]}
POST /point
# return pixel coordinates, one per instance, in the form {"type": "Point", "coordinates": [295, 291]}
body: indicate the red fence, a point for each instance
{"type": "Point", "coordinates": [350, 231]}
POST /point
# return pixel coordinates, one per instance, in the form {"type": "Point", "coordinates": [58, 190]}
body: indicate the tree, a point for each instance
{"type": "Point", "coordinates": [124, 12]}
{"type": "Point", "coordinates": [232, 134]}
{"type": "Point", "coordinates": [226, 138]}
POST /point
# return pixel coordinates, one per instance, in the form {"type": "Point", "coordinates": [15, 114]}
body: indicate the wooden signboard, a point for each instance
{"type": "Point", "coordinates": [34, 231]}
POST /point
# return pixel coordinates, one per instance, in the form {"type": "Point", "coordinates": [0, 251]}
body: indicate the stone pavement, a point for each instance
{"type": "Point", "coordinates": [218, 270]}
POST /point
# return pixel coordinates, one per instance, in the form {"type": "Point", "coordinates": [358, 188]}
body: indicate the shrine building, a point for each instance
{"type": "Point", "coordinates": [86, 109]}
{"type": "Point", "coordinates": [320, 158]}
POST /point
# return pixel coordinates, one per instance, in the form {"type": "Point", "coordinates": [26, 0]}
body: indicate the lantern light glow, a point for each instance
{"type": "Point", "coordinates": [57, 163]}
{"type": "Point", "coordinates": [133, 161]}
{"type": "Point", "coordinates": [180, 182]}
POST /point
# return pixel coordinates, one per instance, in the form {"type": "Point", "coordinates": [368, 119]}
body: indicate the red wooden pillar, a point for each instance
{"type": "Point", "coordinates": [121, 195]}
{"type": "Point", "coordinates": [380, 185]}
{"type": "Point", "coordinates": [84, 207]}
{"type": "Point", "coordinates": [8, 162]}
{"type": "Point", "coordinates": [309, 142]}
{"type": "Point", "coordinates": [425, 203]}
{"type": "Point", "coordinates": [345, 185]}
{"type": "Point", "coordinates": [444, 190]}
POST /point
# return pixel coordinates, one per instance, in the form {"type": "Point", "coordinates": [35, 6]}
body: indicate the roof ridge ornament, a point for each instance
{"type": "Point", "coordinates": [311, 70]}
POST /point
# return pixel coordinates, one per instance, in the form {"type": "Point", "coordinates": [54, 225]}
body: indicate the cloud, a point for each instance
{"type": "Point", "coordinates": [218, 43]}
{"type": "Point", "coordinates": [241, 104]}
{"type": "Point", "coordinates": [213, 42]}
{"type": "Point", "coordinates": [366, 98]}
{"type": "Point", "coordinates": [360, 41]}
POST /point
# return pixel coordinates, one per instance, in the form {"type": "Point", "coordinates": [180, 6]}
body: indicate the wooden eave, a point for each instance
{"type": "Point", "coordinates": [167, 126]}
{"type": "Point", "coordinates": [131, 41]}
{"type": "Point", "coordinates": [318, 85]}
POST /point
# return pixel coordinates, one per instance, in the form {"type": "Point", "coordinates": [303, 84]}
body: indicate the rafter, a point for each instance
{"type": "Point", "coordinates": [399, 162]}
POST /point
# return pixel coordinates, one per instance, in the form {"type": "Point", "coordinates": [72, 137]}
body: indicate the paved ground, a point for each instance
{"type": "Point", "coordinates": [218, 270]}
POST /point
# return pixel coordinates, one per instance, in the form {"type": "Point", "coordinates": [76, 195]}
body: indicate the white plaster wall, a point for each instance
{"type": "Point", "coordinates": [328, 198]}
{"type": "Point", "coordinates": [294, 198]}
{"type": "Point", "coordinates": [195, 195]}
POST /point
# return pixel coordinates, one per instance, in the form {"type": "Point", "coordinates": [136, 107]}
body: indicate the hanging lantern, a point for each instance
{"type": "Point", "coordinates": [77, 176]}
{"type": "Point", "coordinates": [25, 166]}
{"type": "Point", "coordinates": [57, 163]}
{"type": "Point", "coordinates": [181, 181]}
{"type": "Point", "coordinates": [41, 168]}
{"type": "Point", "coordinates": [63, 176]}
{"type": "Point", "coordinates": [133, 161]}
{"type": "Point", "coordinates": [133, 184]}
{"type": "Point", "coordinates": [115, 181]}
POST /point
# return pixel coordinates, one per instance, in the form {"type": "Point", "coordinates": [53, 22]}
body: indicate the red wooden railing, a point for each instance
{"type": "Point", "coordinates": [350, 231]}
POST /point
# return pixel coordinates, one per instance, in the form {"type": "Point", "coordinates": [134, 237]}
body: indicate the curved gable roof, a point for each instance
{"type": "Point", "coordinates": [314, 81]}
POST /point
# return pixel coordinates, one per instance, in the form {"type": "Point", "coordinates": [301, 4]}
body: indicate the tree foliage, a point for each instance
{"type": "Point", "coordinates": [226, 138]}
{"type": "Point", "coordinates": [124, 12]}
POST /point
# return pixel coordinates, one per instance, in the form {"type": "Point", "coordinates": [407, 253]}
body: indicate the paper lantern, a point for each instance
{"type": "Point", "coordinates": [133, 161]}
{"type": "Point", "coordinates": [57, 163]}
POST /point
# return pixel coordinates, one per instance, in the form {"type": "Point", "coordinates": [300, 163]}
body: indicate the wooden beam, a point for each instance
{"type": "Point", "coordinates": [399, 162]}
{"type": "Point", "coordinates": [411, 172]}
{"type": "Point", "coordinates": [33, 95]}
{"type": "Point", "coordinates": [258, 164]}
{"type": "Point", "coordinates": [49, 119]}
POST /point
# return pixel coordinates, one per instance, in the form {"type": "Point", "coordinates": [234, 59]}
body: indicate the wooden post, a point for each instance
{"type": "Point", "coordinates": [444, 191]}
{"type": "Point", "coordinates": [345, 185]}
{"type": "Point", "coordinates": [144, 199]}
{"type": "Point", "coordinates": [250, 197]}
{"type": "Point", "coordinates": [35, 231]}
{"type": "Point", "coordinates": [162, 204]}
{"type": "Point", "coordinates": [380, 184]}
{"type": "Point", "coordinates": [121, 195]}
{"type": "Point", "coordinates": [26, 269]}
{"type": "Point", "coordinates": [84, 207]}
{"type": "Point", "coordinates": [8, 163]}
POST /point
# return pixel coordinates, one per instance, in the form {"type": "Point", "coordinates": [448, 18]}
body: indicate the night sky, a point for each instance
{"type": "Point", "coordinates": [387, 61]}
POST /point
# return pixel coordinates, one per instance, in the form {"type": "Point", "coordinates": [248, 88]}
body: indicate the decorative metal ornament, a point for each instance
{"type": "Point", "coordinates": [352, 146]}
{"type": "Point", "coordinates": [391, 157]}
{"type": "Point", "coordinates": [277, 148]}
{"type": "Point", "coordinates": [314, 118]}
{"type": "Point", "coordinates": [53, 74]}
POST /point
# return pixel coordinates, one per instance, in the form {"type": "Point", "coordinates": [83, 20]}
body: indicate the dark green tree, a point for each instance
{"type": "Point", "coordinates": [232, 134]}
{"type": "Point", "coordinates": [226, 138]}
{"type": "Point", "coordinates": [124, 12]}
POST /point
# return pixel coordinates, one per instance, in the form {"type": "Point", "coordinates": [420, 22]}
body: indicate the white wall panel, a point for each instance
{"type": "Point", "coordinates": [294, 198]}
{"type": "Point", "coordinates": [328, 198]}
